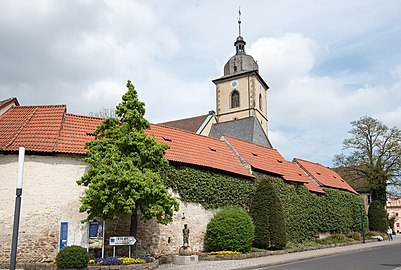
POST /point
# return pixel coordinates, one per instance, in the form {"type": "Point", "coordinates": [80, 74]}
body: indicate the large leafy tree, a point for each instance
{"type": "Point", "coordinates": [123, 177]}
{"type": "Point", "coordinates": [373, 153]}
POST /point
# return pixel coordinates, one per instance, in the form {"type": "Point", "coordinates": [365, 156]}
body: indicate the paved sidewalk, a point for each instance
{"type": "Point", "coordinates": [255, 263]}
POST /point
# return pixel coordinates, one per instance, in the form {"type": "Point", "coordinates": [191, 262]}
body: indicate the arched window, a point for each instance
{"type": "Point", "coordinates": [234, 99]}
{"type": "Point", "coordinates": [260, 101]}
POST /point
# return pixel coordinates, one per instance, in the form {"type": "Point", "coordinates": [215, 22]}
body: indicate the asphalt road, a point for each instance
{"type": "Point", "coordinates": [386, 258]}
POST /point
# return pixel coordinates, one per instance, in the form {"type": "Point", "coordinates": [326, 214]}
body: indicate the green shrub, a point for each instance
{"type": "Point", "coordinates": [267, 214]}
{"type": "Point", "coordinates": [230, 229]}
{"type": "Point", "coordinates": [377, 217]}
{"type": "Point", "coordinates": [72, 257]}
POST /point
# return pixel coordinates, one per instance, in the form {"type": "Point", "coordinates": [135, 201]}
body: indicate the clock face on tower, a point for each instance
{"type": "Point", "coordinates": [234, 84]}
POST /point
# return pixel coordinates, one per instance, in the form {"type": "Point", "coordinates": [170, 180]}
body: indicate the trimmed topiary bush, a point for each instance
{"type": "Point", "coordinates": [72, 257]}
{"type": "Point", "coordinates": [267, 214]}
{"type": "Point", "coordinates": [230, 229]}
{"type": "Point", "coordinates": [377, 217]}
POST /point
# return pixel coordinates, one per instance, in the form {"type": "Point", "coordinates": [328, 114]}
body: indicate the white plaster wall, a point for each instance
{"type": "Point", "coordinates": [50, 195]}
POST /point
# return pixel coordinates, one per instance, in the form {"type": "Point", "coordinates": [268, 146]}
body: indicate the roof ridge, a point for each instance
{"type": "Point", "coordinates": [84, 116]}
{"type": "Point", "coordinates": [316, 163]}
{"type": "Point", "coordinates": [51, 105]}
{"type": "Point", "coordinates": [186, 131]}
{"type": "Point", "coordinates": [184, 118]}
{"type": "Point", "coordinates": [22, 127]}
{"type": "Point", "coordinates": [261, 146]}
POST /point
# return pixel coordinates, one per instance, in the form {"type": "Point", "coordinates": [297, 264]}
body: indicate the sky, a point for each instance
{"type": "Point", "coordinates": [327, 63]}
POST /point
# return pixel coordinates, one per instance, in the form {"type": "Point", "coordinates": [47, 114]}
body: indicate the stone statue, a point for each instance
{"type": "Point", "coordinates": [185, 234]}
{"type": "Point", "coordinates": [185, 250]}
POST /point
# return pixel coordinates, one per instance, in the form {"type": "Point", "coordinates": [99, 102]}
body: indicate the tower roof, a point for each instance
{"type": "Point", "coordinates": [240, 61]}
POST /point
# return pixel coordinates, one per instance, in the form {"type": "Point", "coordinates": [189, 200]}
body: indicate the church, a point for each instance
{"type": "Point", "coordinates": [231, 143]}
{"type": "Point", "coordinates": [241, 102]}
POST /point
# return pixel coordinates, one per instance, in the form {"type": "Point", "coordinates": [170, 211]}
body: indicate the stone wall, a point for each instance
{"type": "Point", "coordinates": [167, 239]}
{"type": "Point", "coordinates": [50, 195]}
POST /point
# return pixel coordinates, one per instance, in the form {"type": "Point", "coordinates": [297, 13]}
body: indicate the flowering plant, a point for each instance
{"type": "Point", "coordinates": [121, 260]}
{"type": "Point", "coordinates": [225, 252]}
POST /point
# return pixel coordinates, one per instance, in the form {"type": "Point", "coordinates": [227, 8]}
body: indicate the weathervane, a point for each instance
{"type": "Point", "coordinates": [239, 21]}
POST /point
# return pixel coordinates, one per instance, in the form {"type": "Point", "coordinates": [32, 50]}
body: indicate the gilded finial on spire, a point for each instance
{"type": "Point", "coordinates": [239, 21]}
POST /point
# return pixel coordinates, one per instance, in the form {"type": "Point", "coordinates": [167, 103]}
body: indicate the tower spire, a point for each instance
{"type": "Point", "coordinates": [239, 43]}
{"type": "Point", "coordinates": [239, 21]}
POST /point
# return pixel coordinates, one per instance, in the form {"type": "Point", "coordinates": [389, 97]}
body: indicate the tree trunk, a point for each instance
{"type": "Point", "coordinates": [133, 227]}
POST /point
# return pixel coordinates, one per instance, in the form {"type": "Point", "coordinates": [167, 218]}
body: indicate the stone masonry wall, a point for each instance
{"type": "Point", "coordinates": [161, 239]}
{"type": "Point", "coordinates": [50, 195]}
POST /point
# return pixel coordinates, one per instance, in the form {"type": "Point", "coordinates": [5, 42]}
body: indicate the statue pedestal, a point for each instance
{"type": "Point", "coordinates": [182, 260]}
{"type": "Point", "coordinates": [185, 256]}
{"type": "Point", "coordinates": [185, 251]}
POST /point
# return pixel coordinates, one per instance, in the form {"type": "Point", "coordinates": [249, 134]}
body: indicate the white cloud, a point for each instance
{"type": "Point", "coordinates": [284, 58]}
{"type": "Point", "coordinates": [309, 115]}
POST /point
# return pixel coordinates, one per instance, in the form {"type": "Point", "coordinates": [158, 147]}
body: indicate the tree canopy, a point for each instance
{"type": "Point", "coordinates": [374, 153]}
{"type": "Point", "coordinates": [124, 163]}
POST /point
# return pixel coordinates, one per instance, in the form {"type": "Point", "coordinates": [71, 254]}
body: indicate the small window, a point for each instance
{"type": "Point", "coordinates": [369, 198]}
{"type": "Point", "coordinates": [234, 99]}
{"type": "Point", "coordinates": [260, 101]}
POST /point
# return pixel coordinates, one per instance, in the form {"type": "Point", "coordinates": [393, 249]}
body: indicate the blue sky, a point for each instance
{"type": "Point", "coordinates": [327, 62]}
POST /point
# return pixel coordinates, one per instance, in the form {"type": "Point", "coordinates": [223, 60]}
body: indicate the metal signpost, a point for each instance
{"type": "Point", "coordinates": [13, 259]}
{"type": "Point", "coordinates": [122, 241]}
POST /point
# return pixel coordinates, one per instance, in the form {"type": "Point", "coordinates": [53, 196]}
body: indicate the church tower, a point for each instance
{"type": "Point", "coordinates": [241, 97]}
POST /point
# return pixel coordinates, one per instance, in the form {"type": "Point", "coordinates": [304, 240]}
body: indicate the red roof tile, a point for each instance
{"type": "Point", "coordinates": [323, 175]}
{"type": "Point", "coordinates": [35, 127]}
{"type": "Point", "coordinates": [270, 160]}
{"type": "Point", "coordinates": [190, 148]}
{"type": "Point", "coordinates": [190, 124]}
{"type": "Point", "coordinates": [76, 131]}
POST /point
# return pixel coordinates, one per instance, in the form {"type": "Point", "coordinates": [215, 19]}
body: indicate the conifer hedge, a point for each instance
{"type": "Point", "coordinates": [377, 217]}
{"type": "Point", "coordinates": [267, 214]}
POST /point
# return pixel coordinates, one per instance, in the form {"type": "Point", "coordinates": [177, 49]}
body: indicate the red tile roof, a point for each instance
{"type": "Point", "coordinates": [36, 128]}
{"type": "Point", "coordinates": [46, 129]}
{"type": "Point", "coordinates": [75, 132]}
{"type": "Point", "coordinates": [324, 175]}
{"type": "Point", "coordinates": [190, 124]}
{"type": "Point", "coordinates": [190, 148]}
{"type": "Point", "coordinates": [270, 160]}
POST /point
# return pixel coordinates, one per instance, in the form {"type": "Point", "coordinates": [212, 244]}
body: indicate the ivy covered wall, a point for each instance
{"type": "Point", "coordinates": [211, 189]}
{"type": "Point", "coordinates": [306, 213]}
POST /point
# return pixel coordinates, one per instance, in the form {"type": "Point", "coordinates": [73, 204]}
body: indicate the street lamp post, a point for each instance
{"type": "Point", "coordinates": [362, 221]}
{"type": "Point", "coordinates": [13, 258]}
